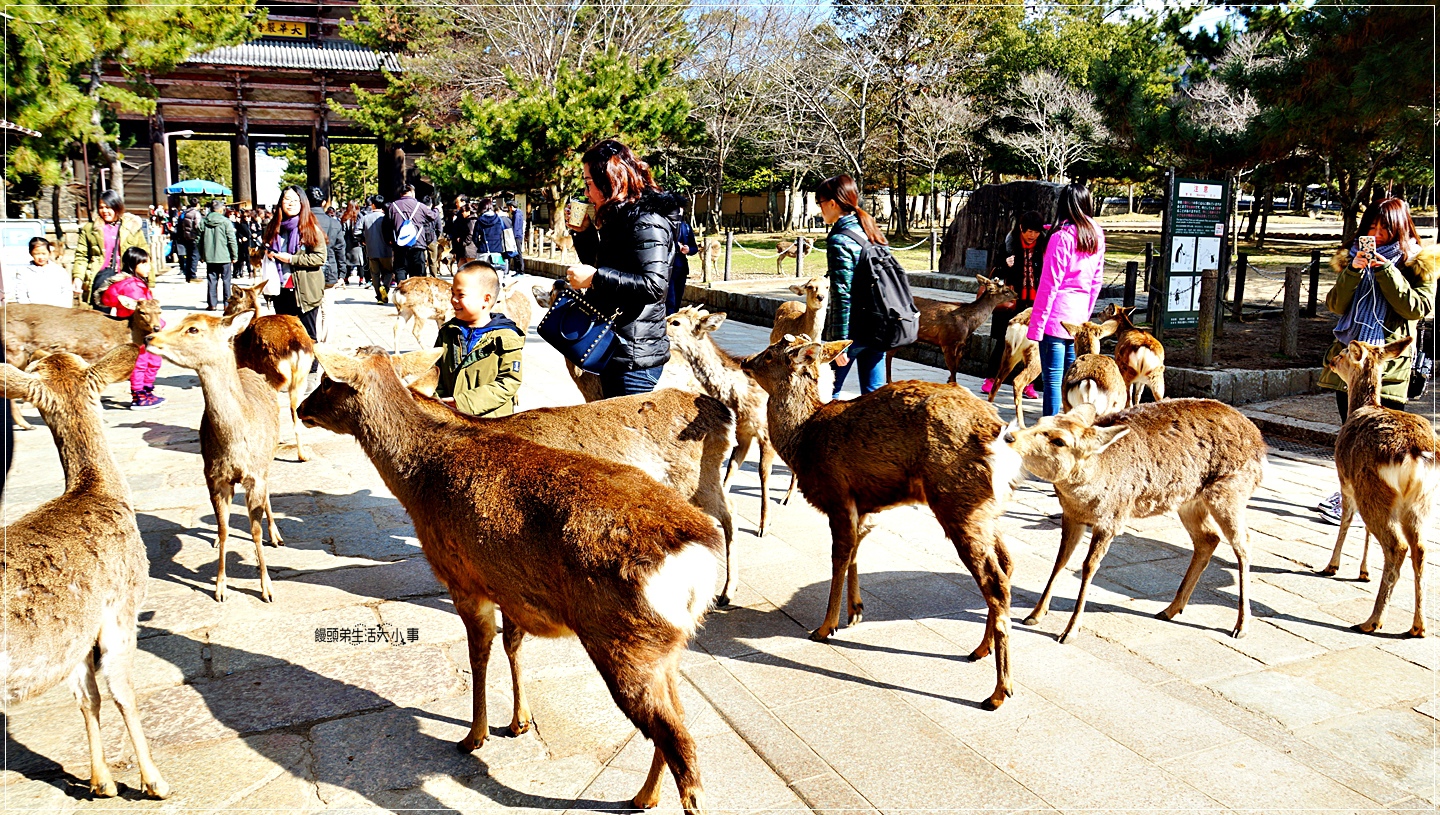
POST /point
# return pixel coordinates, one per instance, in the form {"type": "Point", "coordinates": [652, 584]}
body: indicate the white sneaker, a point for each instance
{"type": "Point", "coordinates": [1330, 509]}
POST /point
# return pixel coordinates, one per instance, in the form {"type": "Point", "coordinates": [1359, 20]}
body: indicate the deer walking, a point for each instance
{"type": "Point", "coordinates": [1198, 456]}
{"type": "Point", "coordinates": [1094, 379]}
{"type": "Point", "coordinates": [1140, 357]}
{"type": "Point", "coordinates": [629, 565]}
{"type": "Point", "coordinates": [239, 430]}
{"type": "Point", "coordinates": [420, 301]}
{"type": "Point", "coordinates": [950, 325]}
{"type": "Point", "coordinates": [75, 568]}
{"type": "Point", "coordinates": [1022, 352]}
{"type": "Point", "coordinates": [789, 249]}
{"type": "Point", "coordinates": [906, 443]}
{"type": "Point", "coordinates": [277, 347]}
{"type": "Point", "coordinates": [1386, 460]}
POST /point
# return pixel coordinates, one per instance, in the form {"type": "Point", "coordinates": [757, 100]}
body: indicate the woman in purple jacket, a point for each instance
{"type": "Point", "coordinates": [1070, 281]}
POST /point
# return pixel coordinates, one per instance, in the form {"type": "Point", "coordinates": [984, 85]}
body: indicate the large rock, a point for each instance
{"type": "Point", "coordinates": [987, 216]}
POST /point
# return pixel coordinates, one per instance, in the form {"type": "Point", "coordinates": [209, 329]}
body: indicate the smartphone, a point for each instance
{"type": "Point", "coordinates": [1366, 246]}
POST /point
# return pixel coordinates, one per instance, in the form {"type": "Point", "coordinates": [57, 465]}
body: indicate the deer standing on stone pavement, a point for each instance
{"type": "Point", "coordinates": [1140, 357]}
{"type": "Point", "coordinates": [1094, 379]}
{"type": "Point", "coordinates": [950, 325]}
{"type": "Point", "coordinates": [1021, 355]}
{"type": "Point", "coordinates": [277, 347]}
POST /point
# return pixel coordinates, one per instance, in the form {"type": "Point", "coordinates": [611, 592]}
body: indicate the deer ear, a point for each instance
{"type": "Point", "coordinates": [235, 323]}
{"type": "Point", "coordinates": [427, 383]}
{"type": "Point", "coordinates": [1085, 414]}
{"type": "Point", "coordinates": [983, 280]}
{"type": "Point", "coordinates": [415, 363]}
{"type": "Point", "coordinates": [1108, 328]}
{"type": "Point", "coordinates": [17, 383]}
{"type": "Point", "coordinates": [807, 355]}
{"type": "Point", "coordinates": [712, 321]}
{"type": "Point", "coordinates": [116, 365]}
{"type": "Point", "coordinates": [797, 288]}
{"type": "Point", "coordinates": [1073, 328]}
{"type": "Point", "coordinates": [340, 367]}
{"type": "Point", "coordinates": [831, 350]}
{"type": "Point", "coordinates": [1108, 436]}
{"type": "Point", "coordinates": [126, 302]}
{"type": "Point", "coordinates": [1395, 348]}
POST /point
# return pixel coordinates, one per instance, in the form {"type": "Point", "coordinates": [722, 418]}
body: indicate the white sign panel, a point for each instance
{"type": "Point", "coordinates": [1182, 258]}
{"type": "Point", "coordinates": [1213, 192]}
{"type": "Point", "coordinates": [1207, 253]}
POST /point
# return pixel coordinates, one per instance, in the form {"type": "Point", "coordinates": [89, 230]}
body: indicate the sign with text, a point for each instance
{"type": "Point", "coordinates": [276, 28]}
{"type": "Point", "coordinates": [1196, 225]}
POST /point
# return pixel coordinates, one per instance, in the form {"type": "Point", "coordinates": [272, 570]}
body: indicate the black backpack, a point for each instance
{"type": "Point", "coordinates": [882, 309]}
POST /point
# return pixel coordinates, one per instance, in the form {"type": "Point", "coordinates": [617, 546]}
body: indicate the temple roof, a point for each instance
{"type": "Point", "coordinates": [324, 55]}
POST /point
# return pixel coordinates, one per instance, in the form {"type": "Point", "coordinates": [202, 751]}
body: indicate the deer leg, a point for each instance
{"type": "Point", "coordinates": [649, 696]}
{"type": "Point", "coordinates": [20, 423]}
{"type": "Point", "coordinates": [512, 636]}
{"type": "Point", "coordinates": [842, 553]}
{"type": "Point", "coordinates": [1099, 544]}
{"type": "Point", "coordinates": [1364, 575]}
{"type": "Point", "coordinates": [1415, 536]}
{"type": "Point", "coordinates": [297, 383]}
{"type": "Point", "coordinates": [856, 607]}
{"type": "Point", "coordinates": [1204, 537]}
{"type": "Point", "coordinates": [117, 647]}
{"type": "Point", "coordinates": [791, 491]}
{"type": "Point", "coordinates": [952, 360]}
{"type": "Point", "coordinates": [1394, 551]}
{"type": "Point", "coordinates": [220, 495]}
{"type": "Point", "coordinates": [889, 366]}
{"type": "Point", "coordinates": [1347, 512]}
{"type": "Point", "coordinates": [395, 334]}
{"type": "Point", "coordinates": [257, 505]}
{"type": "Point", "coordinates": [1070, 533]}
{"type": "Point", "coordinates": [984, 554]}
{"type": "Point", "coordinates": [478, 615]}
{"type": "Point", "coordinates": [1228, 511]}
{"type": "Point", "coordinates": [87, 694]}
{"type": "Point", "coordinates": [737, 456]}
{"type": "Point", "coordinates": [714, 503]}
{"type": "Point", "coordinates": [767, 461]}
{"type": "Point", "coordinates": [1157, 383]}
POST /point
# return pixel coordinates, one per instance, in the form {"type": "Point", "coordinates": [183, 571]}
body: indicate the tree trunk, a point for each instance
{"type": "Point", "coordinates": [1264, 222]}
{"type": "Point", "coordinates": [55, 216]}
{"type": "Point", "coordinates": [1254, 213]}
{"type": "Point", "coordinates": [112, 158]}
{"type": "Point", "coordinates": [902, 218]}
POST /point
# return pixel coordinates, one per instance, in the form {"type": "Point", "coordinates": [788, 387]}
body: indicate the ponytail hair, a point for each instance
{"type": "Point", "coordinates": [842, 190]}
{"type": "Point", "coordinates": [1075, 208]}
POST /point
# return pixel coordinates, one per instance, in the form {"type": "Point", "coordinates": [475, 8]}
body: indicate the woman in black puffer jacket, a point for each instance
{"type": "Point", "coordinates": [626, 257]}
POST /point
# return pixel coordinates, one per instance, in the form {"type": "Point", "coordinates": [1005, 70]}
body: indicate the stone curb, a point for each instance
{"type": "Point", "coordinates": [1319, 434]}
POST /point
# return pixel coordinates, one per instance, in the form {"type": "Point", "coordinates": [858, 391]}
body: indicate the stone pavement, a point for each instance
{"type": "Point", "coordinates": [247, 709]}
{"type": "Point", "coordinates": [1313, 418]}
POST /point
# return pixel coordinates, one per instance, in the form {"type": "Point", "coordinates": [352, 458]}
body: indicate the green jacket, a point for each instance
{"type": "Point", "coordinates": [90, 250]}
{"type": "Point", "coordinates": [217, 240]}
{"type": "Point", "coordinates": [1410, 293]}
{"type": "Point", "coordinates": [484, 380]}
{"type": "Point", "coordinates": [842, 254]}
{"type": "Point", "coordinates": [308, 267]}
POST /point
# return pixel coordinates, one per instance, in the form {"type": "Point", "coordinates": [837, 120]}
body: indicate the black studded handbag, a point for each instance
{"type": "Point", "coordinates": [580, 331]}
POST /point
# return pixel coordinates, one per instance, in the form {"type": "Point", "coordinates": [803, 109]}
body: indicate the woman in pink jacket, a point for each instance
{"type": "Point", "coordinates": [1069, 283]}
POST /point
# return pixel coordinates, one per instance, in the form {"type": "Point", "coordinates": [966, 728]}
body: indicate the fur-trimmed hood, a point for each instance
{"type": "Point", "coordinates": [1426, 264]}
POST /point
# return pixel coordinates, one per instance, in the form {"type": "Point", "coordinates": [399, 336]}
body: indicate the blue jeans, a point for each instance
{"type": "Point", "coordinates": [1056, 356]}
{"type": "Point", "coordinates": [872, 374]}
{"type": "Point", "coordinates": [619, 382]}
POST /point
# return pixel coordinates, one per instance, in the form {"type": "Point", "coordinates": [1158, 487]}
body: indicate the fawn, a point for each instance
{"type": "Point", "coordinates": [808, 318]}
{"type": "Point", "coordinates": [239, 430]}
{"type": "Point", "coordinates": [1199, 456]}
{"type": "Point", "coordinates": [277, 347]}
{"type": "Point", "coordinates": [33, 330]}
{"type": "Point", "coordinates": [628, 565]}
{"type": "Point", "coordinates": [1020, 351]}
{"type": "Point", "coordinates": [906, 443]}
{"type": "Point", "coordinates": [75, 568]}
{"type": "Point", "coordinates": [1140, 357]}
{"type": "Point", "coordinates": [950, 325]}
{"type": "Point", "coordinates": [1388, 471]}
{"type": "Point", "coordinates": [420, 301]}
{"type": "Point", "coordinates": [1094, 379]}
{"type": "Point", "coordinates": [722, 376]}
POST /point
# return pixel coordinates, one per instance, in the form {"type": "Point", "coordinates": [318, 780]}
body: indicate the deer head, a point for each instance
{"type": "Point", "coordinates": [244, 298]}
{"type": "Point", "coordinates": [1119, 314]}
{"type": "Point", "coordinates": [199, 339]}
{"type": "Point", "coordinates": [1088, 335]}
{"type": "Point", "coordinates": [58, 383]}
{"type": "Point", "coordinates": [1361, 361]}
{"type": "Point", "coordinates": [994, 289]}
{"type": "Point", "coordinates": [345, 398]}
{"type": "Point", "coordinates": [813, 290]}
{"type": "Point", "coordinates": [691, 325]}
{"type": "Point", "coordinates": [791, 360]}
{"type": "Point", "coordinates": [1062, 449]}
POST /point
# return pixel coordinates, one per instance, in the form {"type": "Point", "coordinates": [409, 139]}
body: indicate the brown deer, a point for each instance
{"type": "Point", "coordinates": [586, 382]}
{"type": "Point", "coordinates": [787, 249]}
{"type": "Point", "coordinates": [515, 304]}
{"type": "Point", "coordinates": [950, 325]}
{"type": "Point", "coordinates": [1198, 456]}
{"type": "Point", "coordinates": [420, 301]}
{"type": "Point", "coordinates": [277, 347]}
{"type": "Point", "coordinates": [75, 567]}
{"type": "Point", "coordinates": [35, 330]}
{"type": "Point", "coordinates": [1140, 357]}
{"type": "Point", "coordinates": [239, 430]}
{"type": "Point", "coordinates": [629, 566]}
{"type": "Point", "coordinates": [1094, 379]}
{"type": "Point", "coordinates": [720, 374]}
{"type": "Point", "coordinates": [907, 443]}
{"type": "Point", "coordinates": [1386, 460]}
{"type": "Point", "coordinates": [711, 252]}
{"type": "Point", "coordinates": [1019, 351]}
{"type": "Point", "coordinates": [808, 317]}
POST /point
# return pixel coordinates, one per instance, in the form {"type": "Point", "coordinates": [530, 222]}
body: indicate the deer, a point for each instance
{"type": "Point", "coordinates": [1021, 351]}
{"type": "Point", "coordinates": [1386, 460]}
{"type": "Point", "coordinates": [1093, 379]}
{"type": "Point", "coordinates": [629, 565]}
{"type": "Point", "coordinates": [1140, 357]}
{"type": "Point", "coordinates": [277, 347]}
{"type": "Point", "coordinates": [34, 330]}
{"type": "Point", "coordinates": [950, 325]}
{"type": "Point", "coordinates": [1198, 456]}
{"type": "Point", "coordinates": [515, 304]}
{"type": "Point", "coordinates": [75, 567]}
{"type": "Point", "coordinates": [420, 301]}
{"type": "Point", "coordinates": [788, 249]}
{"type": "Point", "coordinates": [710, 253]}
{"type": "Point", "coordinates": [587, 383]}
{"type": "Point", "coordinates": [722, 376]}
{"type": "Point", "coordinates": [906, 443]}
{"type": "Point", "coordinates": [808, 318]}
{"type": "Point", "coordinates": [561, 237]}
{"type": "Point", "coordinates": [239, 429]}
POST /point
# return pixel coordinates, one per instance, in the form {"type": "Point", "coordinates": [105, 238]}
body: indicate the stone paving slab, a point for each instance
{"type": "Point", "coordinates": [247, 711]}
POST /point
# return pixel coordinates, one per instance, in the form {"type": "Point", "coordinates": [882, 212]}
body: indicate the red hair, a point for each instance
{"type": "Point", "coordinates": [843, 190]}
{"type": "Point", "coordinates": [618, 174]}
{"type": "Point", "coordinates": [1393, 214]}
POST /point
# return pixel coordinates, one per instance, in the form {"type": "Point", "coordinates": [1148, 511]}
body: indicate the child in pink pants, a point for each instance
{"type": "Point", "coordinates": [124, 292]}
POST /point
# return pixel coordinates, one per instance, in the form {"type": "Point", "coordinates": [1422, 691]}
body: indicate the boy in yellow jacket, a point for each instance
{"type": "Point", "coordinates": [480, 369]}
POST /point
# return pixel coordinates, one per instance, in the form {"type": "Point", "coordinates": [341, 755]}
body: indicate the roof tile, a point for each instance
{"type": "Point", "coordinates": [326, 55]}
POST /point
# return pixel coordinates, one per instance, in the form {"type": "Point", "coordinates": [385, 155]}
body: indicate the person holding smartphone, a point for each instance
{"type": "Point", "coordinates": [1384, 285]}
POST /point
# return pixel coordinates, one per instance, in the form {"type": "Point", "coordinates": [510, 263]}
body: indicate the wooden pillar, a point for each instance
{"type": "Point", "coordinates": [159, 161]}
{"type": "Point", "coordinates": [241, 166]}
{"type": "Point", "coordinates": [317, 163]}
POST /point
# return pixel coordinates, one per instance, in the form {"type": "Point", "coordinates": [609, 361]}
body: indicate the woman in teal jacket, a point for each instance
{"type": "Point", "coordinates": [839, 201]}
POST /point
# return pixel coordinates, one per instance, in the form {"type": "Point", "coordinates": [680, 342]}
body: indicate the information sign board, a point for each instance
{"type": "Point", "coordinates": [1196, 226]}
